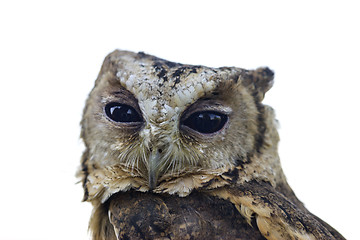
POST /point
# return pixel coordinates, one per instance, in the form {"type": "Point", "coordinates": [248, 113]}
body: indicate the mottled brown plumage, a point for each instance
{"type": "Point", "coordinates": [178, 151]}
{"type": "Point", "coordinates": [198, 216]}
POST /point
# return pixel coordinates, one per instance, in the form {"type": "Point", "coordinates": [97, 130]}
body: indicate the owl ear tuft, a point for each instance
{"type": "Point", "coordinates": [258, 81]}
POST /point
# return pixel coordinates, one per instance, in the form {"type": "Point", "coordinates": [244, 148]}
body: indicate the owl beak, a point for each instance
{"type": "Point", "coordinates": [153, 167]}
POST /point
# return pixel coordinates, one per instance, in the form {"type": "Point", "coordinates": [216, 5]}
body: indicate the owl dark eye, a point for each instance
{"type": "Point", "coordinates": [206, 122]}
{"type": "Point", "coordinates": [122, 113]}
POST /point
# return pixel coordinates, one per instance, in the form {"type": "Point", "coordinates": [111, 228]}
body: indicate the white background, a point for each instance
{"type": "Point", "coordinates": [51, 52]}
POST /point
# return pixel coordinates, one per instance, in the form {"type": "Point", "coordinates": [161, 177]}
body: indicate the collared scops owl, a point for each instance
{"type": "Point", "coordinates": [178, 151]}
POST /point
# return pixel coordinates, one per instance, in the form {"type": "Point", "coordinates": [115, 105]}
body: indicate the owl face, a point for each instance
{"type": "Point", "coordinates": [158, 119]}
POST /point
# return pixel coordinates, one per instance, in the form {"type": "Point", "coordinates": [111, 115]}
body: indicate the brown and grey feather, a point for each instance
{"type": "Point", "coordinates": [158, 178]}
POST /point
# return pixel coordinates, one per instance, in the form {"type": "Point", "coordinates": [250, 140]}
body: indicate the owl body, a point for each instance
{"type": "Point", "coordinates": [171, 136]}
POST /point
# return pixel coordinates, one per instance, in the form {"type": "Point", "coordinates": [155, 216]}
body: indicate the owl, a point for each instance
{"type": "Point", "coordinates": [178, 151]}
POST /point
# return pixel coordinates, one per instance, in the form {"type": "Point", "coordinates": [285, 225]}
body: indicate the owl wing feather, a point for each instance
{"type": "Point", "coordinates": [136, 215]}
{"type": "Point", "coordinates": [265, 213]}
{"type": "Point", "coordinates": [276, 216]}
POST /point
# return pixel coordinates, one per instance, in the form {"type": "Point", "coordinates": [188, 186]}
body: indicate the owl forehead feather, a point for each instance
{"type": "Point", "coordinates": [165, 88]}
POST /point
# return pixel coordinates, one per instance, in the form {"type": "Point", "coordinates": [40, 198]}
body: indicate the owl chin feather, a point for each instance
{"type": "Point", "coordinates": [177, 151]}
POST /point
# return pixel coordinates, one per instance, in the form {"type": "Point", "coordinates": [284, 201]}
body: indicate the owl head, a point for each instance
{"type": "Point", "coordinates": [154, 125]}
